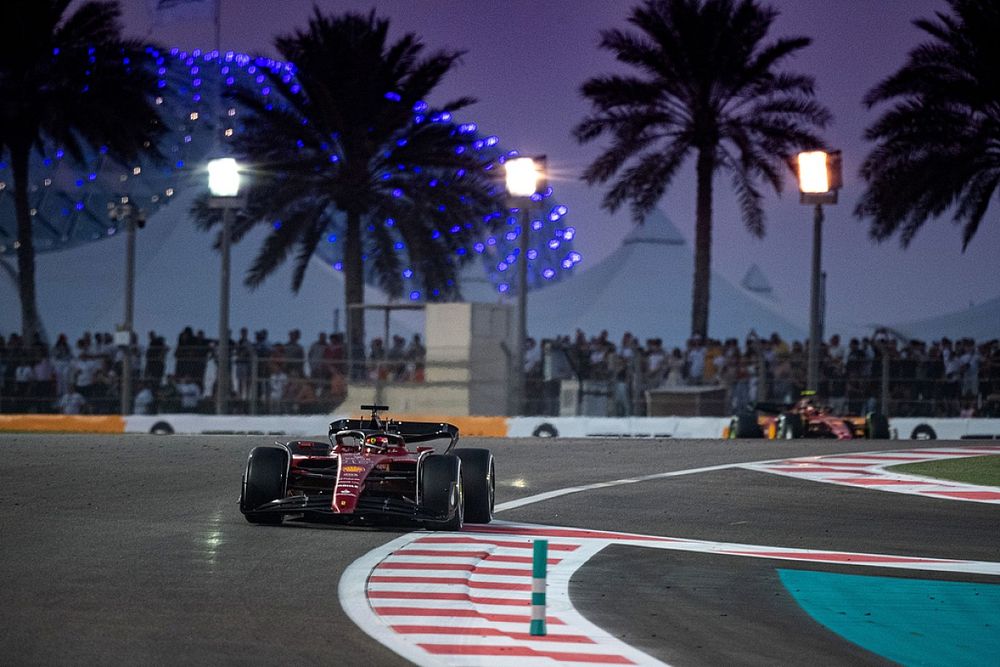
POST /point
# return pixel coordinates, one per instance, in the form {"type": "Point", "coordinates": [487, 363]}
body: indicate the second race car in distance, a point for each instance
{"type": "Point", "coordinates": [805, 419]}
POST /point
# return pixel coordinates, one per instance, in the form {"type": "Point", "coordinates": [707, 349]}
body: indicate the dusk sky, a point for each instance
{"type": "Point", "coordinates": [525, 61]}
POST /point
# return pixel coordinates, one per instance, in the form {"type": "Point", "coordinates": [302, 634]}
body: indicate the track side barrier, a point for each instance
{"type": "Point", "coordinates": [62, 423]}
{"type": "Point", "coordinates": [295, 425]}
{"type": "Point", "coordinates": [902, 428]}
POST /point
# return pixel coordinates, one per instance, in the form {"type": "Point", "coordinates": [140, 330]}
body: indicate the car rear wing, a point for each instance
{"type": "Point", "coordinates": [411, 432]}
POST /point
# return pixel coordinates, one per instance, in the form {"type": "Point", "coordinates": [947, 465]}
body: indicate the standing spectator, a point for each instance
{"type": "Point", "coordinates": [24, 377]}
{"type": "Point", "coordinates": [695, 360]}
{"type": "Point", "coordinates": [189, 392]}
{"type": "Point", "coordinates": [970, 368]}
{"type": "Point", "coordinates": [72, 402]}
{"type": "Point", "coordinates": [656, 363]}
{"type": "Point", "coordinates": [416, 353]}
{"type": "Point", "coordinates": [85, 370]}
{"type": "Point", "coordinates": [44, 388]}
{"type": "Point", "coordinates": [319, 370]}
{"type": "Point", "coordinates": [278, 382]}
{"type": "Point", "coordinates": [675, 369]}
{"type": "Point", "coordinates": [295, 356]}
{"type": "Point", "coordinates": [244, 354]}
{"type": "Point", "coordinates": [335, 355]}
{"type": "Point", "coordinates": [156, 360]}
{"type": "Point", "coordinates": [836, 349]}
{"type": "Point", "coordinates": [184, 353]}
{"type": "Point", "coordinates": [396, 358]}
{"type": "Point", "coordinates": [145, 400]}
{"type": "Point", "coordinates": [62, 364]}
{"type": "Point", "coordinates": [263, 349]}
{"type": "Point", "coordinates": [201, 350]}
{"type": "Point", "coordinates": [376, 360]}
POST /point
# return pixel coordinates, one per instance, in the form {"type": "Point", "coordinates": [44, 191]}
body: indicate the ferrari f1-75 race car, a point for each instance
{"type": "Point", "coordinates": [805, 419]}
{"type": "Point", "coordinates": [367, 473]}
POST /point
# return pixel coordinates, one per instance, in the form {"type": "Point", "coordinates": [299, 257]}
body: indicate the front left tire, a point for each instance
{"type": "Point", "coordinates": [265, 480]}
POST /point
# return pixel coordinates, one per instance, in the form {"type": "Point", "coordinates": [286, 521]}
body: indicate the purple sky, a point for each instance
{"type": "Point", "coordinates": [525, 62]}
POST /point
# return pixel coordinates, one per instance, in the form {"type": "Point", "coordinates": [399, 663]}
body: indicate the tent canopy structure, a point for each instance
{"type": "Point", "coordinates": [177, 285]}
{"type": "Point", "coordinates": [981, 322]}
{"type": "Point", "coordinates": [644, 287]}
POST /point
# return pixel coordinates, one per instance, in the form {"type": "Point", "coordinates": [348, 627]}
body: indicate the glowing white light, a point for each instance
{"type": "Point", "coordinates": [224, 177]}
{"type": "Point", "coordinates": [523, 176]}
{"type": "Point", "coordinates": [813, 175]}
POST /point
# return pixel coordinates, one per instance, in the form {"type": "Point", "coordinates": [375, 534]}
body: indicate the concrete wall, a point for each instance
{"type": "Point", "coordinates": [467, 370]}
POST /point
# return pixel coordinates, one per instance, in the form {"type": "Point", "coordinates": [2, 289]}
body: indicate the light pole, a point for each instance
{"type": "Point", "coordinates": [134, 218]}
{"type": "Point", "coordinates": [819, 175]}
{"type": "Point", "coordinates": [525, 177]}
{"type": "Point", "coordinates": [224, 184]}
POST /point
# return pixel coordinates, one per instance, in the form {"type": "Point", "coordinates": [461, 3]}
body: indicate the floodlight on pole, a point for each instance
{"type": "Point", "coordinates": [819, 174]}
{"type": "Point", "coordinates": [224, 177]}
{"type": "Point", "coordinates": [525, 177]}
{"type": "Point", "coordinates": [224, 185]}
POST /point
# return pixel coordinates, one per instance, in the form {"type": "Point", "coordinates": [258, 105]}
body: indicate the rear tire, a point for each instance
{"type": "Point", "coordinates": [878, 426]}
{"type": "Point", "coordinates": [479, 484]}
{"type": "Point", "coordinates": [442, 492]}
{"type": "Point", "coordinates": [265, 480]}
{"type": "Point", "coordinates": [790, 426]}
{"type": "Point", "coordinates": [745, 425]}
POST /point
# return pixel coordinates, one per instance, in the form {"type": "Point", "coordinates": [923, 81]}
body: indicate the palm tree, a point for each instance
{"type": "Point", "coordinates": [68, 80]}
{"type": "Point", "coordinates": [938, 147]}
{"type": "Point", "coordinates": [708, 85]}
{"type": "Point", "coordinates": [352, 151]}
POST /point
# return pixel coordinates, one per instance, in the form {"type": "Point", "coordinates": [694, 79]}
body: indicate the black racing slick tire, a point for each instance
{"type": "Point", "coordinates": [744, 425]}
{"type": "Point", "coordinates": [479, 484]}
{"type": "Point", "coordinates": [265, 480]}
{"type": "Point", "coordinates": [442, 492]}
{"type": "Point", "coordinates": [923, 432]}
{"type": "Point", "coordinates": [878, 426]}
{"type": "Point", "coordinates": [790, 426]}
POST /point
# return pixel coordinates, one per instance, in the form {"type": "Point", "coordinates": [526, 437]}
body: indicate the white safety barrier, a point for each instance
{"type": "Point", "coordinates": [902, 428]}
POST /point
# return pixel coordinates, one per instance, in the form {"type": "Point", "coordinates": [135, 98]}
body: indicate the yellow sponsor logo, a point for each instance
{"type": "Point", "coordinates": [353, 469]}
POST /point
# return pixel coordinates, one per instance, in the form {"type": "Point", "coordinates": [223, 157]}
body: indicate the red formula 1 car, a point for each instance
{"type": "Point", "coordinates": [367, 473]}
{"type": "Point", "coordinates": [805, 419]}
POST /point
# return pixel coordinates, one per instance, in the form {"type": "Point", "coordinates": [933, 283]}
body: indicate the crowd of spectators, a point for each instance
{"type": "Point", "coordinates": [942, 378]}
{"type": "Point", "coordinates": [277, 377]}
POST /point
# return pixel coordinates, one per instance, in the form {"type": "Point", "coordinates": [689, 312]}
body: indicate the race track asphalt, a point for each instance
{"type": "Point", "coordinates": [131, 550]}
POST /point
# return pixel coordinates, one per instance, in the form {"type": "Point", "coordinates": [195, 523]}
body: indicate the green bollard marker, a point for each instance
{"type": "Point", "coordinates": [539, 562]}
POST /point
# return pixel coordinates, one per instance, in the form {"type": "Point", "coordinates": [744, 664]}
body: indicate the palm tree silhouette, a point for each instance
{"type": "Point", "coordinates": [706, 84]}
{"type": "Point", "coordinates": [68, 80]}
{"type": "Point", "coordinates": [938, 146]}
{"type": "Point", "coordinates": [350, 151]}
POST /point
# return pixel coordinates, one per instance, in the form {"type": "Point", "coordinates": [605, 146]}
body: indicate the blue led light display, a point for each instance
{"type": "Point", "coordinates": [188, 86]}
